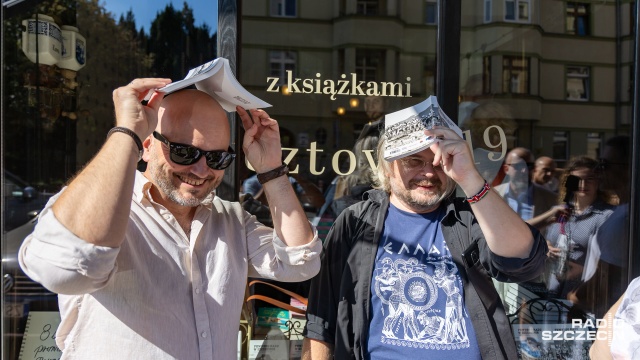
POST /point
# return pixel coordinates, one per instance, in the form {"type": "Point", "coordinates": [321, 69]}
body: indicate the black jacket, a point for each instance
{"type": "Point", "coordinates": [340, 296]}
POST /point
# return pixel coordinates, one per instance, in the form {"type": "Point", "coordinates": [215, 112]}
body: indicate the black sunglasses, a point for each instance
{"type": "Point", "coordinates": [183, 154]}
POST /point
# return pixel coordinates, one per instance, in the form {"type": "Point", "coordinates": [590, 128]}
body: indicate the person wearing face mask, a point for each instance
{"type": "Point", "coordinates": [406, 273]}
{"type": "Point", "coordinates": [154, 264]}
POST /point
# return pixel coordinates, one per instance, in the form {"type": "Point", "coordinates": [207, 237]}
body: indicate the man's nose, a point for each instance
{"type": "Point", "coordinates": [429, 169]}
{"type": "Point", "coordinates": [200, 168]}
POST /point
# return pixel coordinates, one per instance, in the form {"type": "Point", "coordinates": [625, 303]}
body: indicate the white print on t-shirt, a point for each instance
{"type": "Point", "coordinates": [408, 294]}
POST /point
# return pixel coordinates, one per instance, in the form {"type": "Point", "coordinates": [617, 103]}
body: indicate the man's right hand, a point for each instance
{"type": "Point", "coordinates": [131, 113]}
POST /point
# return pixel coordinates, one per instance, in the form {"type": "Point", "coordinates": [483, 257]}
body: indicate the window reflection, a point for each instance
{"type": "Point", "coordinates": [541, 82]}
{"type": "Point", "coordinates": [57, 112]}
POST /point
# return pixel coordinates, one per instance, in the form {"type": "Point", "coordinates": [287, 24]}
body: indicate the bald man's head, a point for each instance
{"type": "Point", "coordinates": [517, 166]}
{"type": "Point", "coordinates": [544, 169]}
{"type": "Point", "coordinates": [193, 110]}
{"type": "Point", "coordinates": [190, 124]}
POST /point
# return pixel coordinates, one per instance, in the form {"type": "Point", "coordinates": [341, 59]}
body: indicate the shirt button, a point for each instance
{"type": "Point", "coordinates": [198, 291]}
{"type": "Point", "coordinates": [203, 334]}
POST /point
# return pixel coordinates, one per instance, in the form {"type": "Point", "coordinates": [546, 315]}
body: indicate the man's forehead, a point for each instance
{"type": "Point", "coordinates": [426, 153]}
{"type": "Point", "coordinates": [515, 158]}
{"type": "Point", "coordinates": [546, 165]}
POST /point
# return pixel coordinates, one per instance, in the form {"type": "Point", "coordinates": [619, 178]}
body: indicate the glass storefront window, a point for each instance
{"type": "Point", "coordinates": [537, 77]}
{"type": "Point", "coordinates": [57, 109]}
{"type": "Point", "coordinates": [338, 70]}
{"type": "Point", "coordinates": [566, 121]}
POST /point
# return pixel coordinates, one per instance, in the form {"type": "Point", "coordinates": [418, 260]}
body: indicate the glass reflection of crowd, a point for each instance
{"type": "Point", "coordinates": [581, 209]}
{"type": "Point", "coordinates": [571, 236]}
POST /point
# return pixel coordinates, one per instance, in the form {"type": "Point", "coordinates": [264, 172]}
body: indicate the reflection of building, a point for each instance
{"type": "Point", "coordinates": [377, 41]}
{"type": "Point", "coordinates": [553, 64]}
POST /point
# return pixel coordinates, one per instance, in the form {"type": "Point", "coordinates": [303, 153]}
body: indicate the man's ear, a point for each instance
{"type": "Point", "coordinates": [146, 147]}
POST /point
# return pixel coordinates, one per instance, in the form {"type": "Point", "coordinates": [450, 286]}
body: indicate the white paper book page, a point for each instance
{"type": "Point", "coordinates": [196, 74]}
{"type": "Point", "coordinates": [216, 79]}
{"type": "Point", "coordinates": [404, 129]}
{"type": "Point", "coordinates": [224, 87]}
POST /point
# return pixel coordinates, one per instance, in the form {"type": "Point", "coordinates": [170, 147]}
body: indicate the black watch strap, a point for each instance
{"type": "Point", "coordinates": [272, 174]}
{"type": "Point", "coordinates": [129, 132]}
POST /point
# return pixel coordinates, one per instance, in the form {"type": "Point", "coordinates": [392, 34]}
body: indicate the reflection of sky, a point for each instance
{"type": "Point", "coordinates": [204, 11]}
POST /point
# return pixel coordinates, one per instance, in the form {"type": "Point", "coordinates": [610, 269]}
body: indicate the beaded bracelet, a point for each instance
{"type": "Point", "coordinates": [480, 195]}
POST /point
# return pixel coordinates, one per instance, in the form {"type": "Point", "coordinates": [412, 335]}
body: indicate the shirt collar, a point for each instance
{"type": "Point", "coordinates": [529, 194]}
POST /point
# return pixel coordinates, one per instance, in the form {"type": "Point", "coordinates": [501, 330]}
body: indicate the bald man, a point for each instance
{"type": "Point", "coordinates": [543, 172]}
{"type": "Point", "coordinates": [153, 265]}
{"type": "Point", "coordinates": [522, 194]}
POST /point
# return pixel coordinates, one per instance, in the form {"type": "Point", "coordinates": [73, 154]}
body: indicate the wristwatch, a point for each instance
{"type": "Point", "coordinates": [272, 174]}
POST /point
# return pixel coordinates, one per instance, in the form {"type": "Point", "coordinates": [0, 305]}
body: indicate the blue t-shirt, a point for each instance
{"type": "Point", "coordinates": [417, 299]}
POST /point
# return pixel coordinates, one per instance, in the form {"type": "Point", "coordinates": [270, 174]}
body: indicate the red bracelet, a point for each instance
{"type": "Point", "coordinates": [481, 194]}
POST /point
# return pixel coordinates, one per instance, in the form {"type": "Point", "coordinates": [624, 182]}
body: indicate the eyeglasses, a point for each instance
{"type": "Point", "coordinates": [605, 164]}
{"type": "Point", "coordinates": [415, 163]}
{"type": "Point", "coordinates": [182, 154]}
{"type": "Point", "coordinates": [522, 165]}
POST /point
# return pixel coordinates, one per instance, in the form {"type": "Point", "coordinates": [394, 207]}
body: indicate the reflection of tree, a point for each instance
{"type": "Point", "coordinates": [37, 138]}
{"type": "Point", "coordinates": [177, 44]}
{"type": "Point", "coordinates": [114, 58]}
{"type": "Point", "coordinates": [41, 147]}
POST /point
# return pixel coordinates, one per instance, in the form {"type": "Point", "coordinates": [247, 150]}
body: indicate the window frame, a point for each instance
{"type": "Point", "coordinates": [516, 11]}
{"type": "Point", "coordinates": [486, 75]}
{"type": "Point", "coordinates": [586, 84]}
{"type": "Point", "coordinates": [561, 137]}
{"type": "Point", "coordinates": [427, 5]}
{"type": "Point", "coordinates": [274, 4]}
{"type": "Point", "coordinates": [369, 7]}
{"type": "Point", "coordinates": [363, 70]}
{"type": "Point", "coordinates": [586, 16]}
{"type": "Point", "coordinates": [282, 61]}
{"type": "Point", "coordinates": [511, 68]}
{"type": "Point", "coordinates": [487, 12]}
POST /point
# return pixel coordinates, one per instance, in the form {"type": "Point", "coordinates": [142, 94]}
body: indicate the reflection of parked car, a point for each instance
{"type": "Point", "coordinates": [21, 202]}
{"type": "Point", "coordinates": [20, 293]}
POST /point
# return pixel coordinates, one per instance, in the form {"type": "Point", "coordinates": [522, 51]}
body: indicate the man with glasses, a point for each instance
{"type": "Point", "coordinates": [153, 265]}
{"type": "Point", "coordinates": [406, 274]}
{"type": "Point", "coordinates": [524, 196]}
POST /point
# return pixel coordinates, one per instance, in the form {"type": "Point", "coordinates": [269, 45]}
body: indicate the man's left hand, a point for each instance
{"type": "Point", "coordinates": [261, 143]}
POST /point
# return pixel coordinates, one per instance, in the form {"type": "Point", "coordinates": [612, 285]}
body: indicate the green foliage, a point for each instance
{"type": "Point", "coordinates": [47, 147]}
{"type": "Point", "coordinates": [177, 44]}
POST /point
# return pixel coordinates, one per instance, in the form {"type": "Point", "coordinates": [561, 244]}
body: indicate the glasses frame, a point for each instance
{"type": "Point", "coordinates": [405, 160]}
{"type": "Point", "coordinates": [216, 159]}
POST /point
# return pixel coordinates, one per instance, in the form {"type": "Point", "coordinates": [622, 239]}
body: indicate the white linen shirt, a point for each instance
{"type": "Point", "coordinates": [161, 294]}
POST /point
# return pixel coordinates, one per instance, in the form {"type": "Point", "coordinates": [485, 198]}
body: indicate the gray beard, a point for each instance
{"type": "Point", "coordinates": [419, 205]}
{"type": "Point", "coordinates": [167, 187]}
